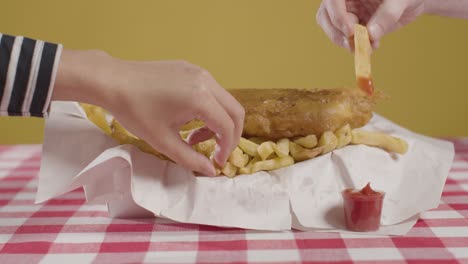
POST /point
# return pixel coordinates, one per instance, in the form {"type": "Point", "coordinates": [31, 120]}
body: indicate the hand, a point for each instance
{"type": "Point", "coordinates": [154, 99]}
{"type": "Point", "coordinates": [337, 17]}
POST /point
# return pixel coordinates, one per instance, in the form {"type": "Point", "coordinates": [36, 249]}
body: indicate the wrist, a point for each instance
{"type": "Point", "coordinates": [83, 76]}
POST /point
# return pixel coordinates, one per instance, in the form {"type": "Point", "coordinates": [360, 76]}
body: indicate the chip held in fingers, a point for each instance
{"type": "Point", "coordinates": [362, 59]}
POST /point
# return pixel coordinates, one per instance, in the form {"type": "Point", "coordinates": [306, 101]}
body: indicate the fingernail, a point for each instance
{"type": "Point", "coordinates": [346, 44]}
{"type": "Point", "coordinates": [217, 156]}
{"type": "Point", "coordinates": [375, 44]}
{"type": "Point", "coordinates": [189, 139]}
{"type": "Point", "coordinates": [375, 32]}
{"type": "Point", "coordinates": [210, 170]}
{"type": "Point", "coordinates": [349, 30]}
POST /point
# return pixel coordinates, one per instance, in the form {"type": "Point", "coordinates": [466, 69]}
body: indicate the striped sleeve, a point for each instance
{"type": "Point", "coordinates": [27, 74]}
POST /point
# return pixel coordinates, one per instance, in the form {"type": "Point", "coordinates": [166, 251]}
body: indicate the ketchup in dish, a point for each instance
{"type": "Point", "coordinates": [363, 209]}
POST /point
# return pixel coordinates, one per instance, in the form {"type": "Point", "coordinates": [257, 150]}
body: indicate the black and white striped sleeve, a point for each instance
{"type": "Point", "coordinates": [27, 74]}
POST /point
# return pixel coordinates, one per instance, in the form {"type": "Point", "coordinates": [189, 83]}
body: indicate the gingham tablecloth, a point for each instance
{"type": "Point", "coordinates": [67, 230]}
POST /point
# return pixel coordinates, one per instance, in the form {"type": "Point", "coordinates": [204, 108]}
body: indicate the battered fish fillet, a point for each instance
{"type": "Point", "coordinates": [279, 113]}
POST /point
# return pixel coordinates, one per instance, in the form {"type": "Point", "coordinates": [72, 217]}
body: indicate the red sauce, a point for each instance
{"type": "Point", "coordinates": [363, 209]}
{"type": "Point", "coordinates": [366, 84]}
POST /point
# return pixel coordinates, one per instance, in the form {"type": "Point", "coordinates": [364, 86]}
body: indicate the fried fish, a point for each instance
{"type": "Point", "coordinates": [286, 113]}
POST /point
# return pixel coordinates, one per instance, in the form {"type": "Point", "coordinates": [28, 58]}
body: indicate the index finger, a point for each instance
{"type": "Point", "coordinates": [182, 153]}
{"type": "Point", "coordinates": [339, 16]}
{"type": "Point", "coordinates": [234, 109]}
{"type": "Point", "coordinates": [218, 120]}
{"type": "Point", "coordinates": [385, 19]}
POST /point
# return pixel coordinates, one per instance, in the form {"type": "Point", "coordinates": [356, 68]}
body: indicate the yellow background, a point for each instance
{"type": "Point", "coordinates": [258, 43]}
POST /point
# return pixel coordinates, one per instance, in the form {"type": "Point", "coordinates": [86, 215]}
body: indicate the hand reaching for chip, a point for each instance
{"type": "Point", "coordinates": [153, 100]}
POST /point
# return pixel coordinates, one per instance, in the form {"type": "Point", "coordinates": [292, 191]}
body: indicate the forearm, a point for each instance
{"type": "Point", "coordinates": [84, 76]}
{"type": "Point", "coordinates": [450, 8]}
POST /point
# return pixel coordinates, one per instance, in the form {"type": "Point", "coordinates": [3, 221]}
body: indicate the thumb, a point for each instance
{"type": "Point", "coordinates": [182, 153]}
{"type": "Point", "coordinates": [385, 18]}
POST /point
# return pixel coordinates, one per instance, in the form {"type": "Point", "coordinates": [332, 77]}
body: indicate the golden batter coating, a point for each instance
{"type": "Point", "coordinates": [286, 113]}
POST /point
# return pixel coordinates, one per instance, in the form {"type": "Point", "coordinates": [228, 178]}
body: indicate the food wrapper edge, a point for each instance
{"type": "Point", "coordinates": [305, 196]}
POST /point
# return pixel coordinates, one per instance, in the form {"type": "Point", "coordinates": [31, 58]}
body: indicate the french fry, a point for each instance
{"type": "Point", "coordinates": [122, 136]}
{"type": "Point", "coordinates": [205, 147]}
{"type": "Point", "coordinates": [244, 170]}
{"type": "Point", "coordinates": [185, 133]}
{"type": "Point", "coordinates": [248, 147]}
{"type": "Point", "coordinates": [248, 169]}
{"type": "Point", "coordinates": [258, 140]}
{"type": "Point", "coordinates": [192, 125]}
{"type": "Point", "coordinates": [344, 136]}
{"type": "Point", "coordinates": [97, 115]}
{"type": "Point", "coordinates": [328, 141]}
{"type": "Point", "coordinates": [229, 170]}
{"type": "Point", "coordinates": [309, 141]}
{"type": "Point", "coordinates": [272, 164]}
{"type": "Point", "coordinates": [238, 158]}
{"type": "Point", "coordinates": [247, 158]}
{"type": "Point", "coordinates": [362, 59]}
{"type": "Point", "coordinates": [145, 147]}
{"type": "Point", "coordinates": [300, 153]}
{"type": "Point", "coordinates": [265, 149]}
{"type": "Point", "coordinates": [282, 147]}
{"type": "Point", "coordinates": [381, 140]}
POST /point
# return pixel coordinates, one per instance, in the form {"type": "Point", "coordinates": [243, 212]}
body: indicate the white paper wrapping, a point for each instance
{"type": "Point", "coordinates": [304, 196]}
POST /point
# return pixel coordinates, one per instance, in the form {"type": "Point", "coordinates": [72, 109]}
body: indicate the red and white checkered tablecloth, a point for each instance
{"type": "Point", "coordinates": [67, 230]}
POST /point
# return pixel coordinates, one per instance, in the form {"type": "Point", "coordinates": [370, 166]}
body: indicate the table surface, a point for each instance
{"type": "Point", "coordinates": [67, 230]}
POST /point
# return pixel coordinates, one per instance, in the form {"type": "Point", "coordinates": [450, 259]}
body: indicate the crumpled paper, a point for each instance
{"type": "Point", "coordinates": [305, 196]}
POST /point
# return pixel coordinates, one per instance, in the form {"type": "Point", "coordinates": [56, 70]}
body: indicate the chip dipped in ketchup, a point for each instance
{"type": "Point", "coordinates": [363, 209]}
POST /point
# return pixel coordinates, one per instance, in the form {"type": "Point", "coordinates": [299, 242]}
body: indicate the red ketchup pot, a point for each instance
{"type": "Point", "coordinates": [363, 209]}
